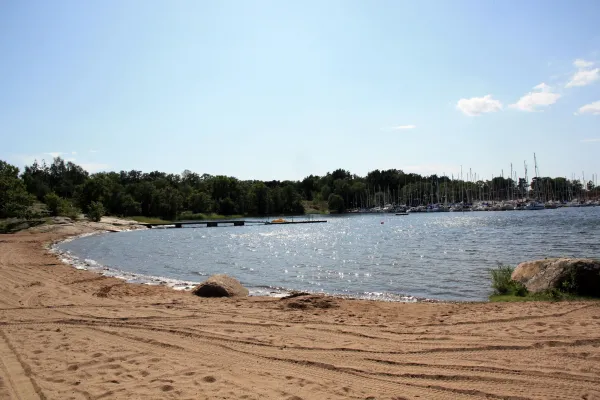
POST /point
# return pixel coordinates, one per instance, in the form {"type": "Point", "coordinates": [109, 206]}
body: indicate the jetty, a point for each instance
{"type": "Point", "coordinates": [216, 223]}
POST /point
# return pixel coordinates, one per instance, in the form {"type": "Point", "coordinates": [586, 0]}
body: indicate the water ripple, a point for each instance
{"type": "Point", "coordinates": [441, 255]}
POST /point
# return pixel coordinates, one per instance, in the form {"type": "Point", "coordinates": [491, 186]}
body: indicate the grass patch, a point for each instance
{"type": "Point", "coordinates": [315, 207]}
{"type": "Point", "coordinates": [503, 284]}
{"type": "Point", "coordinates": [150, 220]}
{"type": "Point", "coordinates": [189, 216]}
{"type": "Point", "coordinates": [548, 295]}
{"type": "Point", "coordinates": [507, 290]}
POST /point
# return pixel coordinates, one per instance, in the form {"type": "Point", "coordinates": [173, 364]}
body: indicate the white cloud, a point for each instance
{"type": "Point", "coordinates": [74, 152]}
{"type": "Point", "coordinates": [54, 154]}
{"type": "Point", "coordinates": [541, 96]}
{"type": "Point", "coordinates": [93, 151]}
{"type": "Point", "coordinates": [94, 167]}
{"type": "Point", "coordinates": [478, 105]}
{"type": "Point", "coordinates": [590, 140]}
{"type": "Point", "coordinates": [542, 86]}
{"type": "Point", "coordinates": [579, 63]}
{"type": "Point", "coordinates": [400, 127]}
{"type": "Point", "coordinates": [592, 108]}
{"type": "Point", "coordinates": [584, 75]}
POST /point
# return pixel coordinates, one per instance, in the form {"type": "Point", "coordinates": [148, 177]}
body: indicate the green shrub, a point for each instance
{"type": "Point", "coordinates": [503, 284]}
{"type": "Point", "coordinates": [59, 206]}
{"type": "Point", "coordinates": [53, 202]}
{"type": "Point", "coordinates": [336, 203]}
{"type": "Point", "coordinates": [95, 211]}
{"type": "Point", "coordinates": [67, 209]}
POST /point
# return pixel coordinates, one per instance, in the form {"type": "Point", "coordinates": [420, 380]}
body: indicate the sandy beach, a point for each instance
{"type": "Point", "coordinates": [72, 334]}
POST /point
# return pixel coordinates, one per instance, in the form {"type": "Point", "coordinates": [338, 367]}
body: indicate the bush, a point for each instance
{"type": "Point", "coordinates": [67, 209]}
{"type": "Point", "coordinates": [503, 284]}
{"type": "Point", "coordinates": [95, 211]}
{"type": "Point", "coordinates": [336, 203]}
{"type": "Point", "coordinates": [59, 206]}
{"type": "Point", "coordinates": [53, 202]}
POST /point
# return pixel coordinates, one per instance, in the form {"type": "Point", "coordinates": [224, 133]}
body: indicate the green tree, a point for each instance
{"type": "Point", "coordinates": [227, 206]}
{"type": "Point", "coordinates": [336, 203]}
{"type": "Point", "coordinates": [53, 202]}
{"type": "Point", "coordinates": [200, 202]}
{"type": "Point", "coordinates": [325, 192]}
{"type": "Point", "coordinates": [95, 211]}
{"type": "Point", "coordinates": [14, 199]}
{"type": "Point", "coordinates": [129, 206]}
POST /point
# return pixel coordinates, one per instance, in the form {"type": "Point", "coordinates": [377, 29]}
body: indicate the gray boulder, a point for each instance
{"type": "Point", "coordinates": [220, 286]}
{"type": "Point", "coordinates": [579, 276]}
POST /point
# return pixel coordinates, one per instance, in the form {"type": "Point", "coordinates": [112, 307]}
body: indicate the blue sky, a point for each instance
{"type": "Point", "coordinates": [281, 89]}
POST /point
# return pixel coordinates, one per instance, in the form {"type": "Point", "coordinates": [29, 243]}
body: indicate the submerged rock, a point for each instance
{"type": "Point", "coordinates": [580, 276]}
{"type": "Point", "coordinates": [220, 286]}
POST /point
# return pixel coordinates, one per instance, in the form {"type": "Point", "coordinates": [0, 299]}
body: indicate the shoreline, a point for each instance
{"type": "Point", "coordinates": [91, 265]}
{"type": "Point", "coordinates": [74, 334]}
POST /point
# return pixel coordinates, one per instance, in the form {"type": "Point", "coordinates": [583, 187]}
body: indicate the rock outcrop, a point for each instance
{"type": "Point", "coordinates": [579, 276]}
{"type": "Point", "coordinates": [220, 286]}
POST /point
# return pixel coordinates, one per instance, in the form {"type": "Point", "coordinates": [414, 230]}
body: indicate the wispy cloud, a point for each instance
{"type": "Point", "coordinates": [94, 167]}
{"type": "Point", "coordinates": [541, 96]}
{"type": "Point", "coordinates": [399, 128]}
{"type": "Point", "coordinates": [478, 105]}
{"type": "Point", "coordinates": [592, 108]}
{"type": "Point", "coordinates": [23, 160]}
{"type": "Point", "coordinates": [585, 74]}
{"type": "Point", "coordinates": [579, 63]}
{"type": "Point", "coordinates": [93, 151]}
{"type": "Point", "coordinates": [592, 140]}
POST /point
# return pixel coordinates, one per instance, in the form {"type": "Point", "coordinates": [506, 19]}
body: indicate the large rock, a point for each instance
{"type": "Point", "coordinates": [575, 275]}
{"type": "Point", "coordinates": [220, 286]}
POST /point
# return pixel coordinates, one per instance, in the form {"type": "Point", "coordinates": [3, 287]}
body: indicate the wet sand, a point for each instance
{"type": "Point", "coordinates": [71, 334]}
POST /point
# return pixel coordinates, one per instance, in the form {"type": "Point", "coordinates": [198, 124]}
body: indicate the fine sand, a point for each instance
{"type": "Point", "coordinates": [71, 334]}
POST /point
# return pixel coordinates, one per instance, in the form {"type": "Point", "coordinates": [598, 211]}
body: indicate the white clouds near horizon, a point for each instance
{"type": "Point", "coordinates": [479, 105]}
{"type": "Point", "coordinates": [541, 96]}
{"type": "Point", "coordinates": [29, 159]}
{"type": "Point", "coordinates": [402, 127]}
{"type": "Point", "coordinates": [592, 140]}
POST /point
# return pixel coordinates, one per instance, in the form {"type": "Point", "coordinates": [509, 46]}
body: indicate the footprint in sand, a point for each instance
{"type": "Point", "coordinates": [209, 379]}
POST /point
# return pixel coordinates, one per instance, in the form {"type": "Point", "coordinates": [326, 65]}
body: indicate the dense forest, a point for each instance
{"type": "Point", "coordinates": [67, 189]}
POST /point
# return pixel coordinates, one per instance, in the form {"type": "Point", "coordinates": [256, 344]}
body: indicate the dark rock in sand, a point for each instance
{"type": "Point", "coordinates": [308, 301]}
{"type": "Point", "coordinates": [579, 276]}
{"type": "Point", "coordinates": [220, 286]}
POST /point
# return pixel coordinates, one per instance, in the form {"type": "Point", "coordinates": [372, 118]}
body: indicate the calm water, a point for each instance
{"type": "Point", "coordinates": [436, 255]}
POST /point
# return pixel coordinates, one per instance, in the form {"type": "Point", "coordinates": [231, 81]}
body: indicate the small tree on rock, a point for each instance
{"type": "Point", "coordinates": [96, 211]}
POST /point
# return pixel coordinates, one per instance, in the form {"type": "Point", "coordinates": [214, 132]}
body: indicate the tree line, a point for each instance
{"type": "Point", "coordinates": [67, 189]}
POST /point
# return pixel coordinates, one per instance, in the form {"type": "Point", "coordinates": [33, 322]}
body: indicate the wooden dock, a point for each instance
{"type": "Point", "coordinates": [214, 224]}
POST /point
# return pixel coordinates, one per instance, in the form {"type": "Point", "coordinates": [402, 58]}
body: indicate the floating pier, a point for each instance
{"type": "Point", "coordinates": [214, 224]}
